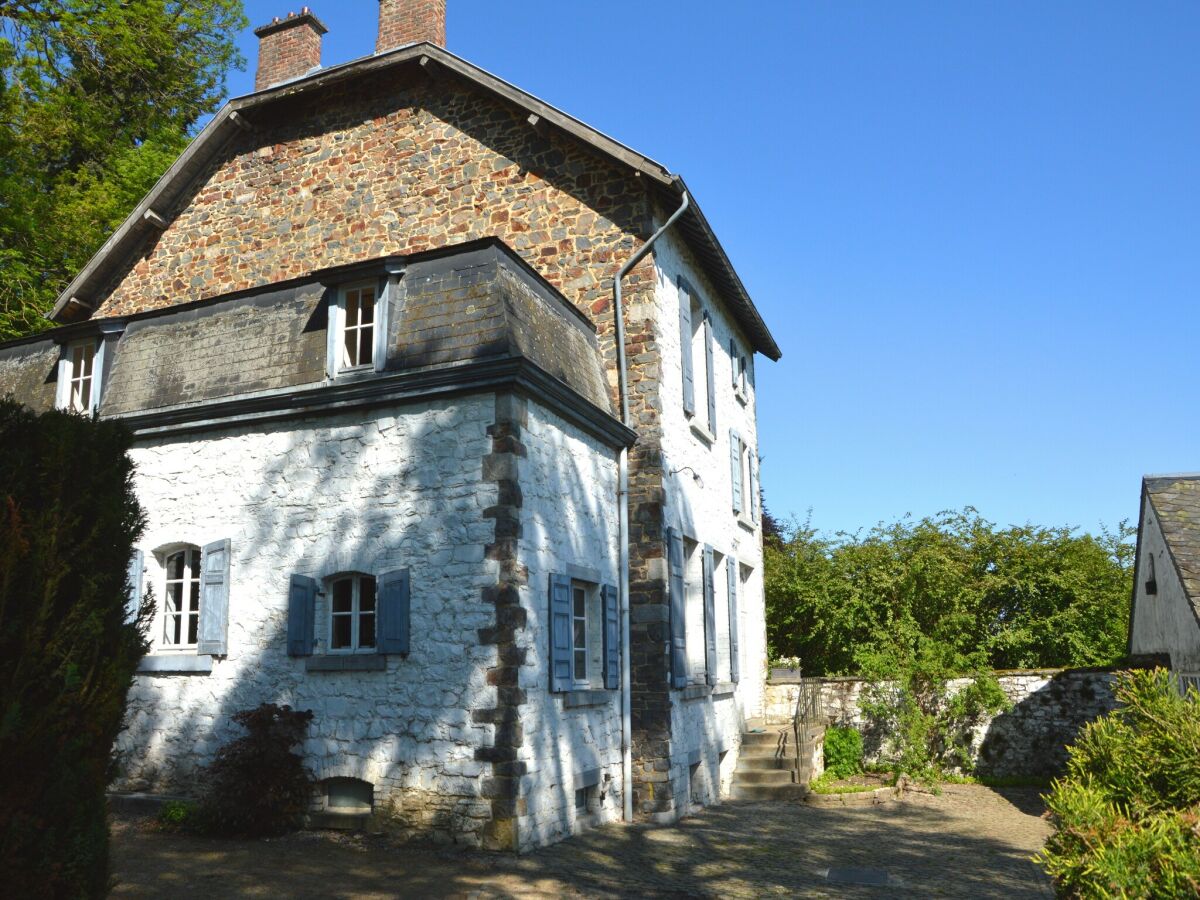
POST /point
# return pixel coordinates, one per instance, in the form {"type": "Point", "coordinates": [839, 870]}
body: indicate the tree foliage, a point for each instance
{"type": "Point", "coordinates": [97, 98]}
{"type": "Point", "coordinates": [1127, 814]}
{"type": "Point", "coordinates": [68, 521]}
{"type": "Point", "coordinates": [955, 584]}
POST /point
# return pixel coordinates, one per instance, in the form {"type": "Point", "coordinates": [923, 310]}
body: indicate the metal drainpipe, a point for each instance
{"type": "Point", "coordinates": [623, 516]}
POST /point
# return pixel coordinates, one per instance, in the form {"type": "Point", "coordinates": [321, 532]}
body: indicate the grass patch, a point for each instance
{"type": "Point", "coordinates": [826, 784]}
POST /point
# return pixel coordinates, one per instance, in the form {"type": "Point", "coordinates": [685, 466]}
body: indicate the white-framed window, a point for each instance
{"type": "Point", "coordinates": [181, 599]}
{"type": "Point", "coordinates": [737, 364]}
{"type": "Point", "coordinates": [79, 376]}
{"type": "Point", "coordinates": [587, 637]}
{"type": "Point", "coordinates": [355, 327]}
{"type": "Point", "coordinates": [352, 614]}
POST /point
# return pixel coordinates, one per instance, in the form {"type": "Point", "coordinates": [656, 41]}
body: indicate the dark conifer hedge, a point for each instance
{"type": "Point", "coordinates": [68, 520]}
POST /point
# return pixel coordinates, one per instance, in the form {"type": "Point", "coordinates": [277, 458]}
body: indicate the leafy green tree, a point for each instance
{"type": "Point", "coordinates": [985, 597]}
{"type": "Point", "coordinates": [97, 98]}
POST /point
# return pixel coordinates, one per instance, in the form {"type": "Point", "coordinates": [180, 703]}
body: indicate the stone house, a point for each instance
{"type": "Point", "coordinates": [444, 417]}
{"type": "Point", "coordinates": [1165, 619]}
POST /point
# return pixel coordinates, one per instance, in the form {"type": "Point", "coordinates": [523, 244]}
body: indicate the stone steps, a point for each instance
{"type": "Point", "coordinates": [768, 767]}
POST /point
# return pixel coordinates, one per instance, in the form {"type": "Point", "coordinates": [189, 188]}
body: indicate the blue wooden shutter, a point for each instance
{"type": "Point", "coordinates": [734, 666]}
{"type": "Point", "coordinates": [685, 347]}
{"type": "Point", "coordinates": [612, 637]}
{"type": "Point", "coordinates": [752, 500]}
{"type": "Point", "coordinates": [133, 600]}
{"type": "Point", "coordinates": [394, 593]}
{"type": "Point", "coordinates": [735, 468]}
{"type": "Point", "coordinates": [712, 378]}
{"type": "Point", "coordinates": [560, 633]}
{"type": "Point", "coordinates": [214, 599]}
{"type": "Point", "coordinates": [710, 618]}
{"type": "Point", "coordinates": [676, 587]}
{"type": "Point", "coordinates": [302, 613]}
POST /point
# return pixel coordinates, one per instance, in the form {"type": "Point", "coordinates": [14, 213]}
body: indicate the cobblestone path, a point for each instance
{"type": "Point", "coordinates": [969, 842]}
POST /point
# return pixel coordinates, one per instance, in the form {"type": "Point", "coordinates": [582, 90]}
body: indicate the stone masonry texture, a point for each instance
{"type": "Point", "coordinates": [1048, 709]}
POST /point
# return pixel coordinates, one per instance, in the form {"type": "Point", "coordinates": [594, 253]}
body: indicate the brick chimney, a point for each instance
{"type": "Point", "coordinates": [288, 48]}
{"type": "Point", "coordinates": [408, 21]}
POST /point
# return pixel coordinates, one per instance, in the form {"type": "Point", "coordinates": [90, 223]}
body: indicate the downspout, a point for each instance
{"type": "Point", "coordinates": [623, 516]}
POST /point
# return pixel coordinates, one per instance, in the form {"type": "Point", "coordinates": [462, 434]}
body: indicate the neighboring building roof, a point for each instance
{"type": "Point", "coordinates": [1176, 503]}
{"type": "Point", "coordinates": [238, 113]}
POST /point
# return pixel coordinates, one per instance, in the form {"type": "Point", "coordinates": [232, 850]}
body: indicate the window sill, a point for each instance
{"type": "Point", "coordinates": [742, 397]}
{"type": "Point", "coordinates": [696, 691]}
{"type": "Point", "coordinates": [724, 689]}
{"type": "Point", "coordinates": [746, 523]}
{"type": "Point", "coordinates": [175, 664]}
{"type": "Point", "coordinates": [581, 698]}
{"type": "Point", "coordinates": [348, 662]}
{"type": "Point", "coordinates": [703, 433]}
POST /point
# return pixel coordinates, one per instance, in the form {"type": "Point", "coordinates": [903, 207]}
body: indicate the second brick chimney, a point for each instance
{"type": "Point", "coordinates": [288, 48]}
{"type": "Point", "coordinates": [408, 21]}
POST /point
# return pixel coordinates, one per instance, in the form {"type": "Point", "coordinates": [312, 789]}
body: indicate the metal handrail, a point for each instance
{"type": "Point", "coordinates": [808, 699]}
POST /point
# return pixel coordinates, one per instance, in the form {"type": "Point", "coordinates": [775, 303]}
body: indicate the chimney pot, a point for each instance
{"type": "Point", "coordinates": [410, 21]}
{"type": "Point", "coordinates": [288, 48]}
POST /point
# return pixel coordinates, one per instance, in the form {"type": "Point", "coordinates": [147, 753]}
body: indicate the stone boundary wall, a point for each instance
{"type": "Point", "coordinates": [1049, 707]}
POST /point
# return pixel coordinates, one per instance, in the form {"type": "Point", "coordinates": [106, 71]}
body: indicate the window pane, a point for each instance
{"type": "Point", "coordinates": [580, 602]}
{"type": "Point", "coordinates": [580, 665]}
{"type": "Point", "coordinates": [88, 356]}
{"type": "Point", "coordinates": [342, 594]}
{"type": "Point", "coordinates": [194, 563]}
{"type": "Point", "coordinates": [194, 596]}
{"type": "Point", "coordinates": [171, 631]}
{"type": "Point", "coordinates": [580, 633]}
{"type": "Point", "coordinates": [366, 336]}
{"type": "Point", "coordinates": [350, 356]}
{"type": "Point", "coordinates": [366, 630]}
{"type": "Point", "coordinates": [175, 565]}
{"type": "Point", "coordinates": [173, 594]}
{"type": "Point", "coordinates": [366, 308]}
{"type": "Point", "coordinates": [366, 590]}
{"type": "Point", "coordinates": [352, 309]}
{"type": "Point", "coordinates": [193, 626]}
{"type": "Point", "coordinates": [340, 639]}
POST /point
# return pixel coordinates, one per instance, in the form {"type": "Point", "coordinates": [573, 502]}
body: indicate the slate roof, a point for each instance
{"type": "Point", "coordinates": [78, 300]}
{"type": "Point", "coordinates": [1176, 502]}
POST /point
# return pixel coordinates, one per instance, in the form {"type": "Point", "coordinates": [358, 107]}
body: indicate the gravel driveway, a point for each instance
{"type": "Point", "coordinates": [970, 841]}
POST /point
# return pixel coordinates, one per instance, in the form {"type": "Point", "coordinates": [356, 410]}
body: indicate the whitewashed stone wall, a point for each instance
{"type": "Point", "coordinates": [699, 502]}
{"type": "Point", "coordinates": [316, 496]}
{"type": "Point", "coordinates": [569, 518]}
{"type": "Point", "coordinates": [1048, 707]}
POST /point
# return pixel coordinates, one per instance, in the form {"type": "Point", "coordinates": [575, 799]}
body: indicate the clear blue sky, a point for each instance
{"type": "Point", "coordinates": [974, 228]}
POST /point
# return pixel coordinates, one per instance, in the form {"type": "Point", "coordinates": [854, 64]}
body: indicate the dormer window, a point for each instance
{"type": "Point", "coordinates": [355, 328]}
{"type": "Point", "coordinates": [79, 377]}
{"type": "Point", "coordinates": [358, 326]}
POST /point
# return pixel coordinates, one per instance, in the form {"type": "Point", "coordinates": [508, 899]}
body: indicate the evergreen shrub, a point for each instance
{"type": "Point", "coordinates": [68, 521]}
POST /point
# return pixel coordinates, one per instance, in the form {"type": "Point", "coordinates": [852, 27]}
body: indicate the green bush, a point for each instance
{"type": "Point", "coordinates": [843, 752]}
{"type": "Point", "coordinates": [1127, 813]}
{"type": "Point", "coordinates": [177, 813]}
{"type": "Point", "coordinates": [68, 521]}
{"type": "Point", "coordinates": [257, 785]}
{"type": "Point", "coordinates": [926, 726]}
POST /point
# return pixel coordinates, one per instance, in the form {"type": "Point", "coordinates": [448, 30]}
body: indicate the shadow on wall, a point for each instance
{"type": "Point", "coordinates": [303, 508]}
{"type": "Point", "coordinates": [1032, 737]}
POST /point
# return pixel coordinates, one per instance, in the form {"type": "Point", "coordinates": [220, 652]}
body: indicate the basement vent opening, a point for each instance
{"type": "Point", "coordinates": [348, 795]}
